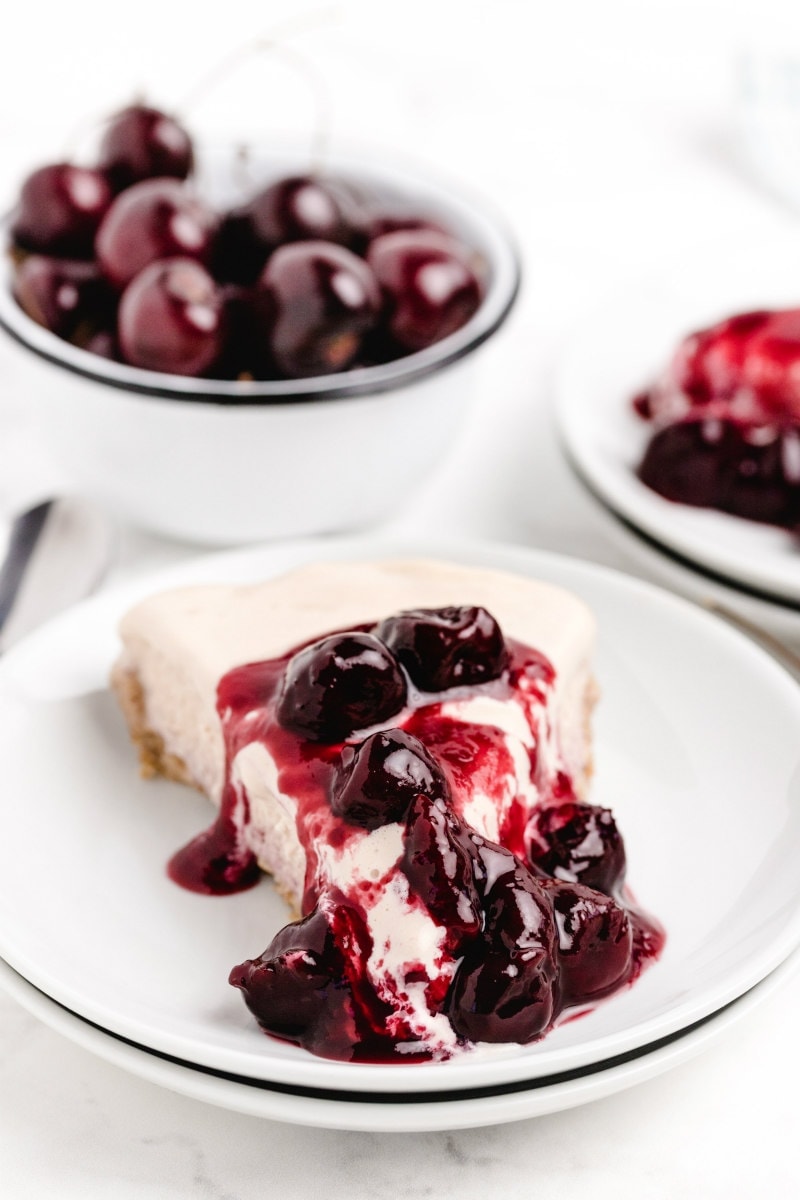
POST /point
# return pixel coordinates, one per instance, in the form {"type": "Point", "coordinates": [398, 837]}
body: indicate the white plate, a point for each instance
{"type": "Point", "coordinates": [710, 810]}
{"type": "Point", "coordinates": [654, 562]}
{"type": "Point", "coordinates": [618, 352]}
{"type": "Point", "coordinates": [412, 1115]}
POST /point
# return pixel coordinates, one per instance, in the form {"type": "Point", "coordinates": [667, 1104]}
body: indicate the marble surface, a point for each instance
{"type": "Point", "coordinates": [610, 135]}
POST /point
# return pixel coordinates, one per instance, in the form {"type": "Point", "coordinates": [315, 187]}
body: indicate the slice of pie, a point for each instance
{"type": "Point", "coordinates": [405, 747]}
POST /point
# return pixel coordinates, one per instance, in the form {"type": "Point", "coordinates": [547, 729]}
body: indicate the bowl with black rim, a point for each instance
{"type": "Point", "coordinates": [223, 461]}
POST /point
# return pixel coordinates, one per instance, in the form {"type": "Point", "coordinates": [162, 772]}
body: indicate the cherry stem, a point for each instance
{"type": "Point", "coordinates": [275, 45]}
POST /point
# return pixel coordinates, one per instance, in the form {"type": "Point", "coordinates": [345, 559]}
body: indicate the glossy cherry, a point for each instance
{"type": "Point", "coordinates": [318, 301]}
{"type": "Point", "coordinates": [428, 282]}
{"type": "Point", "coordinates": [715, 464]}
{"type": "Point", "coordinates": [171, 318]}
{"type": "Point", "coordinates": [578, 843]}
{"type": "Point", "coordinates": [245, 355]}
{"type": "Point", "coordinates": [63, 294]}
{"type": "Point", "coordinates": [377, 780]}
{"type": "Point", "coordinates": [144, 143]}
{"type": "Point", "coordinates": [338, 685]}
{"type": "Point", "coordinates": [449, 647]}
{"type": "Point", "coordinates": [438, 861]}
{"type": "Point", "coordinates": [298, 984]}
{"type": "Point", "coordinates": [300, 208]}
{"type": "Point", "coordinates": [60, 208]}
{"type": "Point", "coordinates": [158, 218]}
{"type": "Point", "coordinates": [504, 989]}
{"type": "Point", "coordinates": [595, 941]}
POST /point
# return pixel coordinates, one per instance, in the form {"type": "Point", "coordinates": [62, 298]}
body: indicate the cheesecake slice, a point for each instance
{"type": "Point", "coordinates": [405, 747]}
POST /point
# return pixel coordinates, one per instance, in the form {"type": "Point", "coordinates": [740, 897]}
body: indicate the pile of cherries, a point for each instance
{"type": "Point", "coordinates": [306, 278]}
{"type": "Point", "coordinates": [531, 936]}
{"type": "Point", "coordinates": [730, 439]}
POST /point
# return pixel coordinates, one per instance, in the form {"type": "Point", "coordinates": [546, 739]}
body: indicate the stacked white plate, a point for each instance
{"type": "Point", "coordinates": [750, 568]}
{"type": "Point", "coordinates": [98, 942]}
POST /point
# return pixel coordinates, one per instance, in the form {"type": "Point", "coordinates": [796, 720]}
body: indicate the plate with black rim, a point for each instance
{"type": "Point", "coordinates": [710, 814]}
{"type": "Point", "coordinates": [393, 1113]}
{"type": "Point", "coordinates": [618, 351]}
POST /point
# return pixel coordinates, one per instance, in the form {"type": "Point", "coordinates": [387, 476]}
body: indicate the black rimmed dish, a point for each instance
{"type": "Point", "coordinates": [222, 461]}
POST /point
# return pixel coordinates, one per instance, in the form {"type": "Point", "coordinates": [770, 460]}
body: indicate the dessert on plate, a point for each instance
{"type": "Point", "coordinates": [405, 747]}
{"type": "Point", "coordinates": [726, 419]}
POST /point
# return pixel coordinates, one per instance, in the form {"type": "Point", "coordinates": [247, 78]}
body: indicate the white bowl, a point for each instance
{"type": "Point", "coordinates": [225, 462]}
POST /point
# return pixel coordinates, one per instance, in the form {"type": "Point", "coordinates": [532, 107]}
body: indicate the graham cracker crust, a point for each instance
{"type": "Point", "coordinates": [154, 758]}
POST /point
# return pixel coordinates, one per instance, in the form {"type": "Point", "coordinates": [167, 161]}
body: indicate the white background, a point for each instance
{"type": "Point", "coordinates": [609, 133]}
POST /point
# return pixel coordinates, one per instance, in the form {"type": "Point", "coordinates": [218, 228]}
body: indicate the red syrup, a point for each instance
{"type": "Point", "coordinates": [312, 985]}
{"type": "Point", "coordinates": [727, 420]}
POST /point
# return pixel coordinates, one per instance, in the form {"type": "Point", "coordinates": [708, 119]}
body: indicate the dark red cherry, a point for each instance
{"type": "Point", "coordinates": [683, 462]}
{"type": "Point", "coordinates": [388, 221]}
{"type": "Point", "coordinates": [144, 143]}
{"type": "Point", "coordinates": [578, 843]}
{"type": "Point", "coordinates": [712, 464]}
{"type": "Point", "coordinates": [377, 780]}
{"type": "Point", "coordinates": [60, 208]}
{"type": "Point", "coordinates": [62, 294]}
{"type": "Point", "coordinates": [171, 318]}
{"type": "Point", "coordinates": [438, 863]}
{"type": "Point", "coordinates": [300, 208]}
{"type": "Point", "coordinates": [245, 354]}
{"type": "Point", "coordinates": [429, 285]}
{"type": "Point", "coordinates": [237, 254]}
{"type": "Point", "coordinates": [158, 218]}
{"type": "Point", "coordinates": [298, 984]}
{"type": "Point", "coordinates": [335, 686]}
{"type": "Point", "coordinates": [446, 647]}
{"type": "Point", "coordinates": [595, 941]}
{"type": "Point", "coordinates": [318, 301]}
{"type": "Point", "coordinates": [763, 481]}
{"type": "Point", "coordinates": [504, 989]}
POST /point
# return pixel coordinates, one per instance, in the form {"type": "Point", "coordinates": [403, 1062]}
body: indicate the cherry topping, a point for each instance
{"type": "Point", "coordinates": [446, 647]}
{"type": "Point", "coordinates": [335, 686]}
{"type": "Point", "coordinates": [299, 208]}
{"type": "Point", "coordinates": [712, 464]}
{"type": "Point", "coordinates": [318, 301]}
{"type": "Point", "coordinates": [377, 780]}
{"type": "Point", "coordinates": [60, 208]}
{"type": "Point", "coordinates": [746, 361]}
{"type": "Point", "coordinates": [158, 218]}
{"type": "Point", "coordinates": [438, 863]}
{"type": "Point", "coordinates": [171, 318]}
{"type": "Point", "coordinates": [504, 987]}
{"type": "Point", "coordinates": [595, 941]}
{"type": "Point", "coordinates": [143, 143]}
{"type": "Point", "coordinates": [61, 294]}
{"type": "Point", "coordinates": [428, 282]}
{"type": "Point", "coordinates": [298, 983]}
{"type": "Point", "coordinates": [578, 843]}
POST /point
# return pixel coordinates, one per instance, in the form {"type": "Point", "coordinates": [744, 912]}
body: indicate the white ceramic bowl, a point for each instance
{"type": "Point", "coordinates": [223, 462]}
